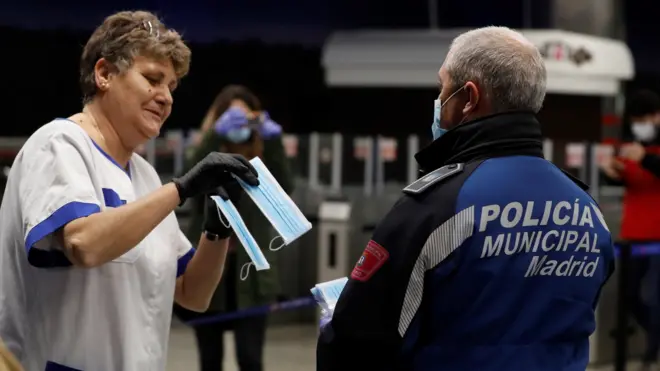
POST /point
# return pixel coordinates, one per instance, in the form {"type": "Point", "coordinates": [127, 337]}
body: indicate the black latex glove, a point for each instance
{"type": "Point", "coordinates": [212, 216]}
{"type": "Point", "coordinates": [213, 171]}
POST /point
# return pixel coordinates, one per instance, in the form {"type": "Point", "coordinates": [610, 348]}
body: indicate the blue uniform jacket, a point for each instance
{"type": "Point", "coordinates": [493, 260]}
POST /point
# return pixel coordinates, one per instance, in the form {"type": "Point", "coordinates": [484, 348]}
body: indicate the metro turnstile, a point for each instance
{"type": "Point", "coordinates": [334, 238]}
{"type": "Point", "coordinates": [333, 235]}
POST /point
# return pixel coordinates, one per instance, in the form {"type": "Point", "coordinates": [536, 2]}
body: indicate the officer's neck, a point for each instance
{"type": "Point", "coordinates": [504, 134]}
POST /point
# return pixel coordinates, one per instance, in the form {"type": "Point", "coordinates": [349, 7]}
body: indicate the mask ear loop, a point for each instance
{"type": "Point", "coordinates": [222, 219]}
{"type": "Point", "coordinates": [245, 269]}
{"type": "Point", "coordinates": [270, 245]}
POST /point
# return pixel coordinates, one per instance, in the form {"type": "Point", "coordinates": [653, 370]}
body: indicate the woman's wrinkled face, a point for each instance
{"type": "Point", "coordinates": [139, 99]}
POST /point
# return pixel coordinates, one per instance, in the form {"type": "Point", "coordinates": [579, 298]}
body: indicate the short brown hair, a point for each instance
{"type": "Point", "coordinates": [125, 35]}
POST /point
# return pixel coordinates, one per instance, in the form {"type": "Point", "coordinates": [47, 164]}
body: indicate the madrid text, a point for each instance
{"type": "Point", "coordinates": [570, 227]}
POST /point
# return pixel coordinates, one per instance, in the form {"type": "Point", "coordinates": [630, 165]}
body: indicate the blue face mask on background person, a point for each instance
{"type": "Point", "coordinates": [235, 126]}
{"type": "Point", "coordinates": [243, 134]}
{"type": "Point", "coordinates": [276, 205]}
{"type": "Point", "coordinates": [238, 135]}
{"type": "Point", "coordinates": [436, 126]}
{"type": "Point", "coordinates": [244, 236]}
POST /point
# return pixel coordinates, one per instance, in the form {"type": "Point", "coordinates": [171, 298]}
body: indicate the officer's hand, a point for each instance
{"type": "Point", "coordinates": [325, 319]}
{"type": "Point", "coordinates": [214, 171]}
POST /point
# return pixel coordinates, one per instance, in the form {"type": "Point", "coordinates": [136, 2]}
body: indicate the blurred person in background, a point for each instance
{"type": "Point", "coordinates": [91, 253]}
{"type": "Point", "coordinates": [637, 168]}
{"type": "Point", "coordinates": [235, 123]}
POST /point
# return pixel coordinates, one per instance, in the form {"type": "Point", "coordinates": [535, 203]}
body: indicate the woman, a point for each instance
{"type": "Point", "coordinates": [235, 124]}
{"type": "Point", "coordinates": [637, 168]}
{"type": "Point", "coordinates": [91, 253]}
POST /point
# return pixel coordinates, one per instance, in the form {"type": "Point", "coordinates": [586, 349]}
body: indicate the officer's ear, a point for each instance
{"type": "Point", "coordinates": [473, 96]}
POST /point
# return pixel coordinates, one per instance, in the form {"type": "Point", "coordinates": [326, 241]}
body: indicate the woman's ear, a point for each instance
{"type": "Point", "coordinates": [104, 71]}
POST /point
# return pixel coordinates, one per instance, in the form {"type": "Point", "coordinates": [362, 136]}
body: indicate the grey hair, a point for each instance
{"type": "Point", "coordinates": [504, 63]}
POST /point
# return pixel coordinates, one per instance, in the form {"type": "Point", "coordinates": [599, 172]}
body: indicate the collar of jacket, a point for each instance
{"type": "Point", "coordinates": [502, 134]}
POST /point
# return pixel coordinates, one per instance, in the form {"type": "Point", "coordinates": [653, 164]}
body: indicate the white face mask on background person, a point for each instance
{"type": "Point", "coordinates": [643, 131]}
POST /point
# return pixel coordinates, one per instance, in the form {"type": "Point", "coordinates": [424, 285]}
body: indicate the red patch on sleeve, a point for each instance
{"type": "Point", "coordinates": [373, 257]}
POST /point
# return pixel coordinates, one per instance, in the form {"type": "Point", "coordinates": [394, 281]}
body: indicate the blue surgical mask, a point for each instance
{"type": "Point", "coordinates": [436, 126]}
{"type": "Point", "coordinates": [327, 293]}
{"type": "Point", "coordinates": [244, 236]}
{"type": "Point", "coordinates": [239, 135]}
{"type": "Point", "coordinates": [276, 205]}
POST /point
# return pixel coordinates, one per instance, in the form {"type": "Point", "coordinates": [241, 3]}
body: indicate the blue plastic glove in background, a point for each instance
{"type": "Point", "coordinates": [232, 119]}
{"type": "Point", "coordinates": [233, 125]}
{"type": "Point", "coordinates": [269, 128]}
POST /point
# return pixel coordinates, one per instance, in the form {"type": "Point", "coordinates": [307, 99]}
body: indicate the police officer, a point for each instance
{"type": "Point", "coordinates": [493, 260]}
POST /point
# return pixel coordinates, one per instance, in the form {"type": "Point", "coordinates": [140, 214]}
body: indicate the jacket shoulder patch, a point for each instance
{"type": "Point", "coordinates": [424, 183]}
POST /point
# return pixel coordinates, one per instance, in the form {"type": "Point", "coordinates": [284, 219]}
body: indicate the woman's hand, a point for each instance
{"type": "Point", "coordinates": [213, 171]}
{"type": "Point", "coordinates": [214, 221]}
